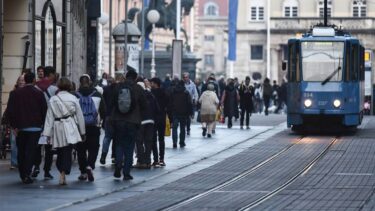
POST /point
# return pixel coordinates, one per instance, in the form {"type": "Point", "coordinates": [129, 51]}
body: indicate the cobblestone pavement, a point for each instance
{"type": "Point", "coordinates": [200, 153]}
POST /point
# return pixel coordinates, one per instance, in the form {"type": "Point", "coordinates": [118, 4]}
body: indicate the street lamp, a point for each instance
{"type": "Point", "coordinates": [153, 17]}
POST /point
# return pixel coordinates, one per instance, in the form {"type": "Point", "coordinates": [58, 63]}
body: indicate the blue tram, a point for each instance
{"type": "Point", "coordinates": [326, 72]}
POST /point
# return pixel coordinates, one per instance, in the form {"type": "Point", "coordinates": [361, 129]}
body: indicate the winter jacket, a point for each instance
{"type": "Point", "coordinates": [180, 103]}
{"type": "Point", "coordinates": [162, 100]}
{"type": "Point", "coordinates": [64, 122]}
{"type": "Point", "coordinates": [192, 89]}
{"type": "Point", "coordinates": [246, 93]}
{"type": "Point", "coordinates": [152, 109]}
{"type": "Point", "coordinates": [26, 108]}
{"type": "Point", "coordinates": [209, 102]}
{"type": "Point", "coordinates": [230, 101]}
{"type": "Point", "coordinates": [139, 104]}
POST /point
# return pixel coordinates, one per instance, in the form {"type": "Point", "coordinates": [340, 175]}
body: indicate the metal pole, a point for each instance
{"type": "Point", "coordinates": [268, 39]}
{"type": "Point", "coordinates": [126, 37]}
{"type": "Point", "coordinates": [141, 71]}
{"type": "Point", "coordinates": [325, 13]}
{"type": "Point", "coordinates": [153, 71]}
{"type": "Point", "coordinates": [178, 19]}
{"type": "Point", "coordinates": [110, 37]}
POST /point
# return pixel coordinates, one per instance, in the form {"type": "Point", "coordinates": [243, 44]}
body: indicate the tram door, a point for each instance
{"type": "Point", "coordinates": [369, 86]}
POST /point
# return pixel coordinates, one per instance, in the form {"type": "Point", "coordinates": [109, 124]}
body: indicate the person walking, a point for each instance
{"type": "Point", "coordinates": [129, 104]}
{"type": "Point", "coordinates": [93, 109]}
{"type": "Point", "coordinates": [108, 129]}
{"type": "Point", "coordinates": [246, 92]}
{"type": "Point", "coordinates": [26, 111]}
{"type": "Point", "coordinates": [5, 122]}
{"type": "Point", "coordinates": [209, 103]}
{"type": "Point", "coordinates": [192, 90]}
{"type": "Point", "coordinates": [230, 102]}
{"type": "Point", "coordinates": [267, 94]}
{"type": "Point", "coordinates": [47, 86]}
{"type": "Point", "coordinates": [64, 126]}
{"type": "Point", "coordinates": [180, 105]}
{"type": "Point", "coordinates": [160, 121]}
{"type": "Point", "coordinates": [282, 93]}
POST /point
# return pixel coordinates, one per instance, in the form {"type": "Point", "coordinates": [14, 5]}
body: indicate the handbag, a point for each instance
{"type": "Point", "coordinates": [167, 131]}
{"type": "Point", "coordinates": [218, 115]}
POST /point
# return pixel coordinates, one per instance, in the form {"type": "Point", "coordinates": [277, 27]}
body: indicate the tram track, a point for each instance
{"type": "Point", "coordinates": [251, 171]}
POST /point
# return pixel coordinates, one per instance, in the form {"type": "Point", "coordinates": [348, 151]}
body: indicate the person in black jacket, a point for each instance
{"type": "Point", "coordinates": [160, 118]}
{"type": "Point", "coordinates": [246, 92]}
{"type": "Point", "coordinates": [181, 108]}
{"type": "Point", "coordinates": [230, 102]}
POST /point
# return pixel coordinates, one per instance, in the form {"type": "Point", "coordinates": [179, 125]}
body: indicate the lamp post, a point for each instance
{"type": "Point", "coordinates": [153, 17]}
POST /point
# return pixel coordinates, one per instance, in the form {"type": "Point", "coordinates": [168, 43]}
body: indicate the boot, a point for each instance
{"type": "Point", "coordinates": [102, 158]}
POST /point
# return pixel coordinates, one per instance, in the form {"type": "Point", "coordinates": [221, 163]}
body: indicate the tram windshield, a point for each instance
{"type": "Point", "coordinates": [322, 61]}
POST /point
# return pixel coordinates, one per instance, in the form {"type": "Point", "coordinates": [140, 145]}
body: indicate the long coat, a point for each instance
{"type": "Point", "coordinates": [209, 103]}
{"type": "Point", "coordinates": [64, 121]}
{"type": "Point", "coordinates": [230, 101]}
{"type": "Point", "coordinates": [246, 93]}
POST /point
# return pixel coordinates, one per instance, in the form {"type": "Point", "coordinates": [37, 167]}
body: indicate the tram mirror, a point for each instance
{"type": "Point", "coordinates": [283, 65]}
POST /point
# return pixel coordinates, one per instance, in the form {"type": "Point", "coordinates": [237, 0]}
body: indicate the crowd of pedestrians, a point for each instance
{"type": "Point", "coordinates": [135, 113]}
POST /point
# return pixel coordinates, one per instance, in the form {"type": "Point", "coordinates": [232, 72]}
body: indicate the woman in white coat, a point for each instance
{"type": "Point", "coordinates": [209, 103]}
{"type": "Point", "coordinates": [64, 126]}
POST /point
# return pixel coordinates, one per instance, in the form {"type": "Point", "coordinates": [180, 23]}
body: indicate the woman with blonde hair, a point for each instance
{"type": "Point", "coordinates": [64, 126]}
{"type": "Point", "coordinates": [209, 103]}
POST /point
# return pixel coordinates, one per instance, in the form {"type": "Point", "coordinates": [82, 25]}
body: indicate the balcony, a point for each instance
{"type": "Point", "coordinates": [298, 25]}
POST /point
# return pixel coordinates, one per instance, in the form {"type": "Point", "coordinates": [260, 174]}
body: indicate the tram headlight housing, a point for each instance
{"type": "Point", "coordinates": [336, 103]}
{"type": "Point", "coordinates": [307, 103]}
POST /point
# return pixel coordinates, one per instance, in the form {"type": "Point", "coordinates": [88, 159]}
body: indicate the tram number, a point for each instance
{"type": "Point", "coordinates": [307, 95]}
{"type": "Point", "coordinates": [322, 103]}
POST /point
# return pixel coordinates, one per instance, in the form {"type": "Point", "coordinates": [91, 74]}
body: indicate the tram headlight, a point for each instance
{"type": "Point", "coordinates": [307, 103]}
{"type": "Point", "coordinates": [336, 103]}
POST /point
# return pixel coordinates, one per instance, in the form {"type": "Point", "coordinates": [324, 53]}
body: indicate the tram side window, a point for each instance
{"type": "Point", "coordinates": [354, 70]}
{"type": "Point", "coordinates": [293, 64]}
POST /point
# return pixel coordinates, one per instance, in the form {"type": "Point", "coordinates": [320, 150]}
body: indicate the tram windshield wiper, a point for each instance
{"type": "Point", "coordinates": [331, 76]}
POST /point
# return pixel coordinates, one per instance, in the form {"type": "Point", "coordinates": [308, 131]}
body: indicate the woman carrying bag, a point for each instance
{"type": "Point", "coordinates": [64, 126]}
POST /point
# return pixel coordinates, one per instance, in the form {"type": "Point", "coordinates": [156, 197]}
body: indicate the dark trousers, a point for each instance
{"type": "Point", "coordinates": [124, 135]}
{"type": "Point", "coordinates": [88, 150]}
{"type": "Point", "coordinates": [48, 157]}
{"type": "Point", "coordinates": [188, 123]}
{"type": "Point", "coordinates": [27, 145]}
{"type": "Point", "coordinates": [179, 120]}
{"type": "Point", "coordinates": [248, 114]}
{"type": "Point", "coordinates": [266, 100]}
{"type": "Point", "coordinates": [144, 143]}
{"type": "Point", "coordinates": [64, 159]}
{"type": "Point", "coordinates": [159, 133]}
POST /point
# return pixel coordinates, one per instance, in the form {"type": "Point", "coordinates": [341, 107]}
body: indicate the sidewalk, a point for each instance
{"type": "Point", "coordinates": [198, 154]}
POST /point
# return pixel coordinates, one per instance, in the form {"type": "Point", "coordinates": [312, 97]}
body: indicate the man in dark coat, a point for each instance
{"type": "Point", "coordinates": [246, 92]}
{"type": "Point", "coordinates": [27, 110]}
{"type": "Point", "coordinates": [230, 102]}
{"type": "Point", "coordinates": [181, 108]}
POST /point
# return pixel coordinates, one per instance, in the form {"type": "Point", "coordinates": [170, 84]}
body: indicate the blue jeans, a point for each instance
{"type": "Point", "coordinates": [179, 120]}
{"type": "Point", "coordinates": [124, 135]}
{"type": "Point", "coordinates": [107, 136]}
{"type": "Point", "coordinates": [13, 146]}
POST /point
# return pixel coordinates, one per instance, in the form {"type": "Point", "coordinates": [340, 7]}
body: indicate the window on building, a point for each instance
{"type": "Point", "coordinates": [257, 10]}
{"type": "Point", "coordinates": [209, 60]}
{"type": "Point", "coordinates": [209, 37]}
{"type": "Point", "coordinates": [211, 9]}
{"type": "Point", "coordinates": [256, 52]}
{"type": "Point", "coordinates": [321, 8]}
{"type": "Point", "coordinates": [290, 8]}
{"type": "Point", "coordinates": [50, 23]}
{"type": "Point", "coordinates": [359, 8]}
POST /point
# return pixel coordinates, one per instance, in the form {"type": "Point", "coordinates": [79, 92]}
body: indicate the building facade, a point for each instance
{"type": "Point", "coordinates": [42, 32]}
{"type": "Point", "coordinates": [211, 40]}
{"type": "Point", "coordinates": [291, 18]}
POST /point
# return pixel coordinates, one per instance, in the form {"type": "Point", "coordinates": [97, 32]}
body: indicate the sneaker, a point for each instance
{"type": "Point", "coordinates": [209, 136]}
{"type": "Point", "coordinates": [102, 158]}
{"type": "Point", "coordinates": [82, 177]}
{"type": "Point", "coordinates": [47, 176]}
{"type": "Point", "coordinates": [35, 173]}
{"type": "Point", "coordinates": [162, 163]}
{"type": "Point", "coordinates": [174, 146]}
{"type": "Point", "coordinates": [156, 164]}
{"type": "Point", "coordinates": [204, 132]}
{"type": "Point", "coordinates": [27, 180]}
{"type": "Point", "coordinates": [90, 175]}
{"type": "Point", "coordinates": [117, 173]}
{"type": "Point", "coordinates": [128, 177]}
